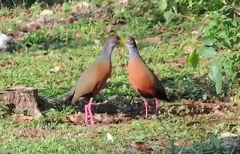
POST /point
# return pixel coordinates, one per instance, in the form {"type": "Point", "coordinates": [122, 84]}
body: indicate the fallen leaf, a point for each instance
{"type": "Point", "coordinates": [31, 26]}
{"type": "Point", "coordinates": [183, 143]}
{"type": "Point", "coordinates": [123, 1]}
{"type": "Point", "coordinates": [70, 19]}
{"type": "Point", "coordinates": [162, 143]}
{"type": "Point", "coordinates": [58, 7]}
{"type": "Point", "coordinates": [108, 119]}
{"type": "Point", "coordinates": [46, 12]}
{"type": "Point", "coordinates": [216, 107]}
{"type": "Point", "coordinates": [97, 42]}
{"type": "Point", "coordinates": [219, 113]}
{"type": "Point", "coordinates": [56, 69]}
{"type": "Point", "coordinates": [16, 36]}
{"type": "Point", "coordinates": [74, 117]}
{"type": "Point", "coordinates": [80, 6]}
{"type": "Point", "coordinates": [141, 146]}
{"type": "Point", "coordinates": [98, 117]}
{"type": "Point", "coordinates": [78, 33]}
{"type": "Point", "coordinates": [108, 28]}
{"type": "Point", "coordinates": [101, 16]}
{"type": "Point", "coordinates": [227, 134]}
{"type": "Point", "coordinates": [94, 134]}
{"type": "Point", "coordinates": [54, 24]}
{"type": "Point", "coordinates": [21, 117]}
{"type": "Point", "coordinates": [152, 40]}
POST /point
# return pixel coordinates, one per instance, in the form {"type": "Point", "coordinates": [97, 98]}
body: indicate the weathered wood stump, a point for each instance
{"type": "Point", "coordinates": [24, 99]}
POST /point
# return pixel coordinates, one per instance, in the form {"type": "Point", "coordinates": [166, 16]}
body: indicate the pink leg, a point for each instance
{"type": "Point", "coordinates": [86, 114]}
{"type": "Point", "coordinates": [90, 111]}
{"type": "Point", "coordinates": [146, 107]}
{"type": "Point", "coordinates": [157, 103]}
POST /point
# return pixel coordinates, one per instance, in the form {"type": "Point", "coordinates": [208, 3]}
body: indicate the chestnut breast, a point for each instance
{"type": "Point", "coordinates": [140, 77]}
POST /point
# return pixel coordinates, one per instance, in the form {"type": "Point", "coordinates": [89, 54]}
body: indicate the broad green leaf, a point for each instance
{"type": "Point", "coordinates": [168, 16]}
{"type": "Point", "coordinates": [207, 52]}
{"type": "Point", "coordinates": [162, 5]}
{"type": "Point", "coordinates": [215, 75]}
{"type": "Point", "coordinates": [208, 41]}
{"type": "Point", "coordinates": [215, 141]}
{"type": "Point", "coordinates": [193, 59]}
{"type": "Point", "coordinates": [218, 87]}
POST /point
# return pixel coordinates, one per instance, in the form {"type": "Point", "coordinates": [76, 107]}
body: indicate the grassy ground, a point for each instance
{"type": "Point", "coordinates": [58, 54]}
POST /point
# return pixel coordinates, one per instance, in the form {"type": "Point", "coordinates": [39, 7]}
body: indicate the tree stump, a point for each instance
{"type": "Point", "coordinates": [24, 99]}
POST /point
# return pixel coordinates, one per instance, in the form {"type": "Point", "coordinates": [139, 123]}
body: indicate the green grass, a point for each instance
{"type": "Point", "coordinates": [72, 54]}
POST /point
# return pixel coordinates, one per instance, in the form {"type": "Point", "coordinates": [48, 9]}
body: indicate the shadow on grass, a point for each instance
{"type": "Point", "coordinates": [182, 86]}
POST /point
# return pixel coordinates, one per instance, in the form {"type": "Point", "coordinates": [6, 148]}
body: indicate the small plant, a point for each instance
{"type": "Point", "coordinates": [222, 33]}
{"type": "Point", "coordinates": [36, 8]}
{"type": "Point", "coordinates": [207, 51]}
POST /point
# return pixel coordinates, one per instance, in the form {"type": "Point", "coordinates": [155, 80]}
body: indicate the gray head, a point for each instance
{"type": "Point", "coordinates": [132, 48]}
{"type": "Point", "coordinates": [111, 42]}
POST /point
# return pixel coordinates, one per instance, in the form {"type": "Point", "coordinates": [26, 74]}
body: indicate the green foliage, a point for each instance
{"type": "Point", "coordinates": [215, 75]}
{"type": "Point", "coordinates": [162, 5]}
{"type": "Point", "coordinates": [57, 116]}
{"type": "Point", "coordinates": [221, 33]}
{"type": "Point", "coordinates": [223, 29]}
{"type": "Point", "coordinates": [215, 71]}
{"type": "Point", "coordinates": [193, 59]}
{"type": "Point", "coordinates": [36, 8]}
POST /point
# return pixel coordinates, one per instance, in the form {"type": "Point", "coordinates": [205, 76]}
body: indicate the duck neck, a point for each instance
{"type": "Point", "coordinates": [106, 52]}
{"type": "Point", "coordinates": [133, 53]}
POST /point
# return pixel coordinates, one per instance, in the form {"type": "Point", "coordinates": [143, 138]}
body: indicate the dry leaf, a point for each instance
{"type": "Point", "coordinates": [54, 24]}
{"type": "Point", "coordinates": [80, 6]}
{"type": "Point", "coordinates": [74, 117]}
{"type": "Point", "coordinates": [58, 7]}
{"type": "Point", "coordinates": [182, 143]}
{"type": "Point", "coordinates": [108, 28]}
{"type": "Point", "coordinates": [123, 1]}
{"type": "Point", "coordinates": [98, 117]}
{"type": "Point", "coordinates": [56, 69]}
{"type": "Point", "coordinates": [141, 146]}
{"type": "Point", "coordinates": [70, 19]}
{"type": "Point", "coordinates": [219, 113]}
{"type": "Point", "coordinates": [216, 107]}
{"type": "Point", "coordinates": [94, 134]}
{"type": "Point", "coordinates": [31, 26]}
{"type": "Point", "coordinates": [97, 42]}
{"type": "Point", "coordinates": [152, 40]}
{"type": "Point", "coordinates": [227, 134]}
{"type": "Point", "coordinates": [16, 36]}
{"type": "Point", "coordinates": [108, 119]}
{"type": "Point", "coordinates": [46, 12]}
{"type": "Point", "coordinates": [162, 143]}
{"type": "Point", "coordinates": [21, 117]}
{"type": "Point", "coordinates": [101, 16]}
{"type": "Point", "coordinates": [78, 33]}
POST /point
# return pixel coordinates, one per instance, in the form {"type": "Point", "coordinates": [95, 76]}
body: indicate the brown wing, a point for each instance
{"type": "Point", "coordinates": [92, 80]}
